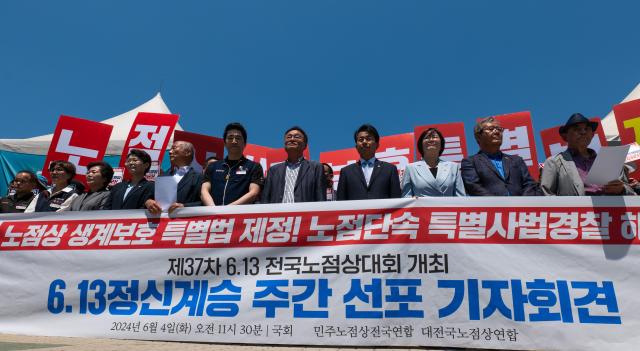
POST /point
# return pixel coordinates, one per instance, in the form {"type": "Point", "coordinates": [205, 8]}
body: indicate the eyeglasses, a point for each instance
{"type": "Point", "coordinates": [234, 137]}
{"type": "Point", "coordinates": [294, 136]}
{"type": "Point", "coordinates": [493, 129]}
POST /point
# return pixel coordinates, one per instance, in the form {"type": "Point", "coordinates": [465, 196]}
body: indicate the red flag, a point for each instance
{"type": "Point", "coordinates": [150, 132]}
{"type": "Point", "coordinates": [78, 141]}
{"type": "Point", "coordinates": [455, 148]}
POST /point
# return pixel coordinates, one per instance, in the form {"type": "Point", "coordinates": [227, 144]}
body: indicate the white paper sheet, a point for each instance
{"type": "Point", "coordinates": [608, 164]}
{"type": "Point", "coordinates": [166, 191]}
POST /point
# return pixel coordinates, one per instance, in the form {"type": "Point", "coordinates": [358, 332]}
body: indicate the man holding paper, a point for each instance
{"type": "Point", "coordinates": [565, 174]}
{"type": "Point", "coordinates": [180, 187]}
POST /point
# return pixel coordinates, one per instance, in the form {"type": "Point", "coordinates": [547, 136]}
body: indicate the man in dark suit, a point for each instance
{"type": "Point", "coordinates": [491, 172]}
{"type": "Point", "coordinates": [296, 179]}
{"type": "Point", "coordinates": [181, 156]}
{"type": "Point", "coordinates": [369, 178]}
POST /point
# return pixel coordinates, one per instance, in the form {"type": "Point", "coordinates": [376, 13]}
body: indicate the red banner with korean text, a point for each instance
{"type": "Point", "coordinates": [258, 154]}
{"type": "Point", "coordinates": [78, 141]}
{"type": "Point", "coordinates": [455, 148]}
{"type": "Point", "coordinates": [518, 139]}
{"type": "Point", "coordinates": [150, 132]}
{"type": "Point", "coordinates": [396, 149]}
{"type": "Point", "coordinates": [553, 143]}
{"type": "Point", "coordinates": [206, 146]}
{"type": "Point", "coordinates": [627, 116]}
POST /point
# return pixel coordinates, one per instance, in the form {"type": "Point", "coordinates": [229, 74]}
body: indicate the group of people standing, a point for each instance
{"type": "Point", "coordinates": [236, 180]}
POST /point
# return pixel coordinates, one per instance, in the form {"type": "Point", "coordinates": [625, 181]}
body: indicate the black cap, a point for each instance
{"type": "Point", "coordinates": [577, 118]}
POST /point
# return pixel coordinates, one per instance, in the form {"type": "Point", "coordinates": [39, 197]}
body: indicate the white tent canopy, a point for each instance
{"type": "Point", "coordinates": [121, 125]}
{"type": "Point", "coordinates": [609, 122]}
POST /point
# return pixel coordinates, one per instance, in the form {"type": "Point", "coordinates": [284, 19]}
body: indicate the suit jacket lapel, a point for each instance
{"type": "Point", "coordinates": [304, 167]}
{"type": "Point", "coordinates": [377, 168]}
{"type": "Point", "coordinates": [423, 172]}
{"type": "Point", "coordinates": [133, 190]}
{"type": "Point", "coordinates": [361, 174]}
{"type": "Point", "coordinates": [443, 172]}
{"type": "Point", "coordinates": [506, 165]}
{"type": "Point", "coordinates": [489, 163]}
{"type": "Point", "coordinates": [185, 179]}
{"type": "Point", "coordinates": [572, 171]}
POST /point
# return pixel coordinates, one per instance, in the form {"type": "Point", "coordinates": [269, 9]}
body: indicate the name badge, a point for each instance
{"type": "Point", "coordinates": [220, 170]}
{"type": "Point", "coordinates": [241, 172]}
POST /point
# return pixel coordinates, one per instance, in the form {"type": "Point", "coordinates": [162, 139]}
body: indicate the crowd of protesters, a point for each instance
{"type": "Point", "coordinates": [237, 180]}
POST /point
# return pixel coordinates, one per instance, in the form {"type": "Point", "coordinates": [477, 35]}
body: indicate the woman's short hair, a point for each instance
{"type": "Point", "coordinates": [105, 170]}
{"type": "Point", "coordinates": [143, 156]}
{"type": "Point", "coordinates": [68, 167]}
{"type": "Point", "coordinates": [426, 133]}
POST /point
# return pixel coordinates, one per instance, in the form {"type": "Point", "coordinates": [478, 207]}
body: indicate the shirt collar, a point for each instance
{"type": "Point", "coordinates": [181, 170]}
{"type": "Point", "coordinates": [369, 162]}
{"type": "Point", "coordinates": [497, 156]}
{"type": "Point", "coordinates": [295, 163]}
{"type": "Point", "coordinates": [574, 153]}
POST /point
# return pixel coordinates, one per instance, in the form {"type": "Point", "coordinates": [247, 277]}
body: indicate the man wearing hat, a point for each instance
{"type": "Point", "coordinates": [564, 174]}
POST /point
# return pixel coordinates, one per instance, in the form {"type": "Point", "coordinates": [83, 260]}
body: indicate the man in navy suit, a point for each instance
{"type": "Point", "coordinates": [491, 172]}
{"type": "Point", "coordinates": [181, 156]}
{"type": "Point", "coordinates": [296, 179]}
{"type": "Point", "coordinates": [369, 178]}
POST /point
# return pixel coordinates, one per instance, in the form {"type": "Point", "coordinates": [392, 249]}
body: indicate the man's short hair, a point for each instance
{"type": "Point", "coordinates": [68, 167]}
{"type": "Point", "coordinates": [189, 146]}
{"type": "Point", "coordinates": [304, 134]}
{"type": "Point", "coordinates": [477, 129]}
{"type": "Point", "coordinates": [105, 170]}
{"type": "Point", "coordinates": [33, 179]}
{"type": "Point", "coordinates": [369, 129]}
{"type": "Point", "coordinates": [235, 126]}
{"type": "Point", "coordinates": [142, 155]}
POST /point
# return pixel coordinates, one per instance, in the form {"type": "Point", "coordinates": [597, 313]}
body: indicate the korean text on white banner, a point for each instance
{"type": "Point", "coordinates": [150, 132]}
{"type": "Point", "coordinates": [500, 273]}
{"type": "Point", "coordinates": [518, 139]}
{"type": "Point", "coordinates": [78, 141]}
{"type": "Point", "coordinates": [554, 144]}
{"type": "Point", "coordinates": [396, 149]}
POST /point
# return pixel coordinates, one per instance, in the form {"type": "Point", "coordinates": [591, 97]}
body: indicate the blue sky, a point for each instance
{"type": "Point", "coordinates": [328, 66]}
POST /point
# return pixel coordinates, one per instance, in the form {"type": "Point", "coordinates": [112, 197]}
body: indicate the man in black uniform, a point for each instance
{"type": "Point", "coordinates": [235, 180]}
{"type": "Point", "coordinates": [25, 182]}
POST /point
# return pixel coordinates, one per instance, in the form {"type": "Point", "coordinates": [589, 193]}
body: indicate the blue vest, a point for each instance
{"type": "Point", "coordinates": [229, 183]}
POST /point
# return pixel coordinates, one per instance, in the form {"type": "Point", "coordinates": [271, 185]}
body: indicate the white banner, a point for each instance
{"type": "Point", "coordinates": [499, 273]}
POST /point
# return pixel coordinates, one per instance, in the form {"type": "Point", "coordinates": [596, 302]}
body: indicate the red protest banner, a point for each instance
{"type": "Point", "coordinates": [553, 144]}
{"type": "Point", "coordinates": [150, 132]}
{"type": "Point", "coordinates": [518, 139]}
{"type": "Point", "coordinates": [627, 116]}
{"type": "Point", "coordinates": [455, 148]}
{"type": "Point", "coordinates": [78, 141]}
{"type": "Point", "coordinates": [258, 154]}
{"type": "Point", "coordinates": [396, 149]}
{"type": "Point", "coordinates": [205, 145]}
